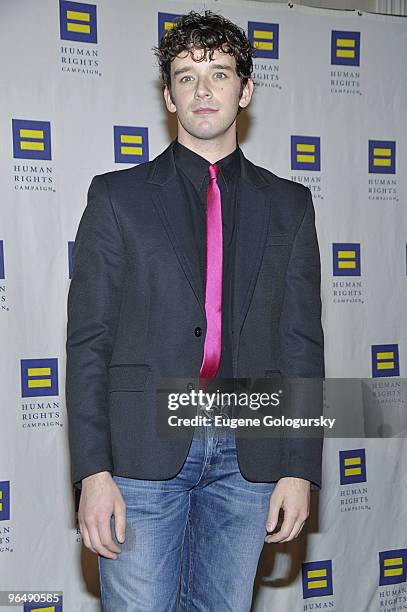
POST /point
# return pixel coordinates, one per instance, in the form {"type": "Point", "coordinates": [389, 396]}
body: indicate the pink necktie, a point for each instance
{"type": "Point", "coordinates": [214, 268]}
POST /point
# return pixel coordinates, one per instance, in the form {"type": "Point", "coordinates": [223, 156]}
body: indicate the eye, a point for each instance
{"type": "Point", "coordinates": [185, 77]}
{"type": "Point", "coordinates": [221, 74]}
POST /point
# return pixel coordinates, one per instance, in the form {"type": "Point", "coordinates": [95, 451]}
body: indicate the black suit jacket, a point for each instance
{"type": "Point", "coordinates": [135, 300]}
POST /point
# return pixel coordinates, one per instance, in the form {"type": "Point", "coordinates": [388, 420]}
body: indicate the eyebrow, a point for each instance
{"type": "Point", "coordinates": [214, 66]}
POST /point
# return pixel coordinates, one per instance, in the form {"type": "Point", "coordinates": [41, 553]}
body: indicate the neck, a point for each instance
{"type": "Point", "coordinates": [212, 149]}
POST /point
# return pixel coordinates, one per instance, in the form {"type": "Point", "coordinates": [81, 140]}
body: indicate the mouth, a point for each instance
{"type": "Point", "coordinates": [205, 111]}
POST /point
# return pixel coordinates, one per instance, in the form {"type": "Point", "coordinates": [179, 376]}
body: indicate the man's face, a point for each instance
{"type": "Point", "coordinates": [206, 94]}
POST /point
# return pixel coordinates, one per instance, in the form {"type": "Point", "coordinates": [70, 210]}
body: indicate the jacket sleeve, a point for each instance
{"type": "Point", "coordinates": [98, 268]}
{"type": "Point", "coordinates": [302, 345]}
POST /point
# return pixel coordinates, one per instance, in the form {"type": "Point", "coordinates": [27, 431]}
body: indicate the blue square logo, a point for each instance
{"type": "Point", "coordinates": [78, 21]}
{"type": "Point", "coordinates": [130, 144]}
{"type": "Point", "coordinates": [54, 606]}
{"type": "Point", "coordinates": [4, 500]}
{"type": "Point", "coordinates": [166, 22]}
{"type": "Point", "coordinates": [346, 259]}
{"type": "Point", "coordinates": [31, 139]}
{"type": "Point", "coordinates": [264, 38]}
{"type": "Point", "coordinates": [382, 156]}
{"type": "Point", "coordinates": [39, 377]}
{"type": "Point", "coordinates": [352, 466]}
{"type": "Point", "coordinates": [345, 48]}
{"type": "Point", "coordinates": [305, 153]}
{"type": "Point", "coordinates": [393, 566]}
{"type": "Point", "coordinates": [317, 578]}
{"type": "Point", "coordinates": [2, 272]}
{"type": "Point", "coordinates": [385, 360]}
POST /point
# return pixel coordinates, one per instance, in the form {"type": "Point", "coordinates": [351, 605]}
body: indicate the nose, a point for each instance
{"type": "Point", "coordinates": [203, 90]}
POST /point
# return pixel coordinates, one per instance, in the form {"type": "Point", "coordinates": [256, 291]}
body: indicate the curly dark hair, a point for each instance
{"type": "Point", "coordinates": [208, 31]}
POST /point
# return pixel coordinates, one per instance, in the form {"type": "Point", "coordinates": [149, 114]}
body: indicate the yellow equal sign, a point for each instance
{"type": "Point", "coordinates": [1, 500]}
{"type": "Point", "coordinates": [347, 259]}
{"type": "Point", "coordinates": [389, 564]}
{"type": "Point", "coordinates": [305, 153]}
{"type": "Point", "coordinates": [267, 43]}
{"type": "Point", "coordinates": [345, 47]}
{"type": "Point", "coordinates": [47, 609]}
{"type": "Point", "coordinates": [28, 145]}
{"type": "Point", "coordinates": [353, 471]}
{"type": "Point", "coordinates": [317, 584]}
{"type": "Point", "coordinates": [168, 25]}
{"type": "Point", "coordinates": [128, 139]}
{"type": "Point", "coordinates": [385, 365]}
{"type": "Point", "coordinates": [384, 159]}
{"type": "Point", "coordinates": [83, 28]}
{"type": "Point", "coordinates": [39, 382]}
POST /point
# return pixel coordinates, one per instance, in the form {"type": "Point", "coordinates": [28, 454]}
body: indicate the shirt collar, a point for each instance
{"type": "Point", "coordinates": [196, 167]}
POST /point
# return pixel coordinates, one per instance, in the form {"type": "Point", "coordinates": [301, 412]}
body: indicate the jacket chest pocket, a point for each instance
{"type": "Point", "coordinates": [275, 257]}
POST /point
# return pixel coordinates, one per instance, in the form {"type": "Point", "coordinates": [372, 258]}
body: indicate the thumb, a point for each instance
{"type": "Point", "coordinates": [273, 513]}
{"type": "Point", "coordinates": [120, 524]}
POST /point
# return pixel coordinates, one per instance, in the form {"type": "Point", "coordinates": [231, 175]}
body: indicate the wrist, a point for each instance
{"type": "Point", "coordinates": [98, 476]}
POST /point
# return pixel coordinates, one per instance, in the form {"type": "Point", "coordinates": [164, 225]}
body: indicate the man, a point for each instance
{"type": "Point", "coordinates": [198, 265]}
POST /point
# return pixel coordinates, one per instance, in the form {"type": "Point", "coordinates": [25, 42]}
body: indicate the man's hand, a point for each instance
{"type": "Point", "coordinates": [100, 498]}
{"type": "Point", "coordinates": [293, 496]}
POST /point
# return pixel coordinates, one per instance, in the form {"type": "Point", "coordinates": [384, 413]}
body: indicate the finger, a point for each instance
{"type": "Point", "coordinates": [274, 510]}
{"type": "Point", "coordinates": [97, 544]}
{"type": "Point", "coordinates": [106, 537]}
{"type": "Point", "coordinates": [285, 530]}
{"type": "Point", "coordinates": [85, 536]}
{"type": "Point", "coordinates": [120, 522]}
{"type": "Point", "coordinates": [294, 533]}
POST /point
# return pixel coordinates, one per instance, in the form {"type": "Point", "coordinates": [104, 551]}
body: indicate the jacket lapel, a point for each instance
{"type": "Point", "coordinates": [169, 199]}
{"type": "Point", "coordinates": [252, 224]}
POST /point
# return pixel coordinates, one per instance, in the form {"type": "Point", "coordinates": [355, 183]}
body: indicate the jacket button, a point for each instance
{"type": "Point", "coordinates": [190, 386]}
{"type": "Point", "coordinates": [198, 331]}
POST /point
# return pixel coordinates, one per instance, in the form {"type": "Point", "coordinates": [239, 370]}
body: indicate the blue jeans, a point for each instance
{"type": "Point", "coordinates": [192, 542]}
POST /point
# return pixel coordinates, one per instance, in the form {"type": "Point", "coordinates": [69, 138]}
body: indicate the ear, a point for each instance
{"type": "Point", "coordinates": [168, 100]}
{"type": "Point", "coordinates": [246, 94]}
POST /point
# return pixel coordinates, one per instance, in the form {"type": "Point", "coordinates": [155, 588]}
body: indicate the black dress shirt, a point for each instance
{"type": "Point", "coordinates": [193, 172]}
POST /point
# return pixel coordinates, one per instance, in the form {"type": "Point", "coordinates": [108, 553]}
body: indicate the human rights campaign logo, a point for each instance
{"type": "Point", "coordinates": [352, 466]}
{"type": "Point", "coordinates": [385, 360]}
{"type": "Point", "coordinates": [78, 21]}
{"type": "Point", "coordinates": [264, 38]}
{"type": "Point", "coordinates": [305, 153]}
{"type": "Point", "coordinates": [54, 606]}
{"type": "Point", "coordinates": [2, 273]}
{"type": "Point", "coordinates": [393, 566]}
{"type": "Point", "coordinates": [382, 156]}
{"type": "Point", "coordinates": [39, 377]}
{"type": "Point", "coordinates": [31, 139]}
{"type": "Point", "coordinates": [4, 500]}
{"type": "Point", "coordinates": [166, 21]}
{"type": "Point", "coordinates": [345, 48]}
{"type": "Point", "coordinates": [130, 144]}
{"type": "Point", "coordinates": [317, 578]}
{"type": "Point", "coordinates": [346, 258]}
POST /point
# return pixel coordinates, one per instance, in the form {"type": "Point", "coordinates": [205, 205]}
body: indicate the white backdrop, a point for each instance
{"type": "Point", "coordinates": [330, 111]}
